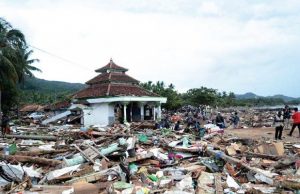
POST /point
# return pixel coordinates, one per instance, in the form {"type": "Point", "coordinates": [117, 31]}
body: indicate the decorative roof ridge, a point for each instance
{"type": "Point", "coordinates": [111, 66]}
{"type": "Point", "coordinates": [108, 89]}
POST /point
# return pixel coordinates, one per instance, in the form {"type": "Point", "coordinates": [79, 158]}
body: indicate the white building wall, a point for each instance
{"type": "Point", "coordinates": [111, 113]}
{"type": "Point", "coordinates": [97, 114]}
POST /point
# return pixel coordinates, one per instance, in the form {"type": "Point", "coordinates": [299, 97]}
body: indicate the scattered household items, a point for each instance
{"type": "Point", "coordinates": [134, 159]}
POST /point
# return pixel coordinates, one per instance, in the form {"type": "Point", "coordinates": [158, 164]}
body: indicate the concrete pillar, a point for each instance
{"type": "Point", "coordinates": [154, 113]}
{"type": "Point", "coordinates": [159, 112]}
{"type": "Point", "coordinates": [142, 110]}
{"type": "Point", "coordinates": [124, 113]}
{"type": "Point", "coordinates": [131, 112]}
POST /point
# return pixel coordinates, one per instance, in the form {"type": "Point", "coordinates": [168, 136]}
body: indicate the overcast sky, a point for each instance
{"type": "Point", "coordinates": [230, 45]}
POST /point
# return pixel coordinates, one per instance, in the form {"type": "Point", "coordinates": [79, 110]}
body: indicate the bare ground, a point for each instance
{"type": "Point", "coordinates": [258, 133]}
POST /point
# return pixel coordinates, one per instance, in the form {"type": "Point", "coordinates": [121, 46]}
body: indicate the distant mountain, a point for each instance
{"type": "Point", "coordinates": [42, 85]}
{"type": "Point", "coordinates": [250, 95]}
{"type": "Point", "coordinates": [40, 91]}
{"type": "Point", "coordinates": [283, 97]}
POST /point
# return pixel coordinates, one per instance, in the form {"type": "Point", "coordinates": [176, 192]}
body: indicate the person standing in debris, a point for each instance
{"type": "Point", "coordinates": [220, 121]}
{"type": "Point", "coordinates": [189, 121]}
{"type": "Point", "coordinates": [165, 123]}
{"type": "Point", "coordinates": [286, 117]}
{"type": "Point", "coordinates": [235, 120]}
{"type": "Point", "coordinates": [4, 125]}
{"type": "Point", "coordinates": [296, 121]}
{"type": "Point", "coordinates": [278, 125]}
{"type": "Point", "coordinates": [177, 126]}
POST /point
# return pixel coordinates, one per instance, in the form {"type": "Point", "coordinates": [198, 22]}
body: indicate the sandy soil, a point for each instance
{"type": "Point", "coordinates": [257, 133]}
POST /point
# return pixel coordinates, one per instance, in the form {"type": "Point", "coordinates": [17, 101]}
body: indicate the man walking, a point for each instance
{"type": "Point", "coordinates": [296, 121]}
{"type": "Point", "coordinates": [235, 120]}
{"type": "Point", "coordinates": [278, 125]}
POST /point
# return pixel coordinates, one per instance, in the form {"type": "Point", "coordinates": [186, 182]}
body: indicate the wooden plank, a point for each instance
{"type": "Point", "coordinates": [83, 154]}
{"type": "Point", "coordinates": [218, 184]}
{"type": "Point", "coordinates": [97, 151]}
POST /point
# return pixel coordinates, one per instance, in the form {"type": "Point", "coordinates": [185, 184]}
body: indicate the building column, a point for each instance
{"type": "Point", "coordinates": [159, 112]}
{"type": "Point", "coordinates": [154, 113]}
{"type": "Point", "coordinates": [124, 111]}
{"type": "Point", "coordinates": [131, 112]}
{"type": "Point", "coordinates": [142, 110]}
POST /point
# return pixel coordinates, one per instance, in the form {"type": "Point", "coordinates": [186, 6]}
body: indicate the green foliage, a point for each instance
{"type": "Point", "coordinates": [41, 91]}
{"type": "Point", "coordinates": [209, 96]}
{"type": "Point", "coordinates": [174, 99]}
{"type": "Point", "coordinates": [15, 63]}
{"type": "Point", "coordinates": [203, 95]}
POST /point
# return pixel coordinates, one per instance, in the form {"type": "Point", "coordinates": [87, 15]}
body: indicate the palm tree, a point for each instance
{"type": "Point", "coordinates": [14, 57]}
{"type": "Point", "coordinates": [25, 67]}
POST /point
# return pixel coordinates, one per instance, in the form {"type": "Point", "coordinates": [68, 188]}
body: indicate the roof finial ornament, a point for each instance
{"type": "Point", "coordinates": [110, 63]}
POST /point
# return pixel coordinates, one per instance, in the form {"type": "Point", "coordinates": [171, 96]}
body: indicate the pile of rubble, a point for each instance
{"type": "Point", "coordinates": [252, 117]}
{"type": "Point", "coordinates": [139, 159]}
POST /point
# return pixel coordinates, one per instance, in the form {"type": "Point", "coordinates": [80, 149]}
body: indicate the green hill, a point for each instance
{"type": "Point", "coordinates": [40, 91]}
{"type": "Point", "coordinates": [42, 85]}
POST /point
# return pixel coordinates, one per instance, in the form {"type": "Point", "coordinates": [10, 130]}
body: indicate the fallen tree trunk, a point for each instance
{"type": "Point", "coordinates": [293, 185]}
{"type": "Point", "coordinates": [264, 156]}
{"type": "Point", "coordinates": [36, 137]}
{"type": "Point", "coordinates": [290, 184]}
{"type": "Point", "coordinates": [105, 134]}
{"type": "Point", "coordinates": [93, 177]}
{"type": "Point", "coordinates": [235, 161]}
{"type": "Point", "coordinates": [42, 152]}
{"type": "Point", "coordinates": [29, 159]}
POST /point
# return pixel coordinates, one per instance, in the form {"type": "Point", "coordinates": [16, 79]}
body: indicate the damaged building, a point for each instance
{"type": "Point", "coordinates": [113, 96]}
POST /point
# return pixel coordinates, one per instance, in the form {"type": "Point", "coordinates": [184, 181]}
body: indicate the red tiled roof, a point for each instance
{"type": "Point", "coordinates": [92, 91]}
{"type": "Point", "coordinates": [102, 90]}
{"type": "Point", "coordinates": [31, 108]}
{"type": "Point", "coordinates": [112, 77]}
{"type": "Point", "coordinates": [112, 83]}
{"type": "Point", "coordinates": [111, 66]}
{"type": "Point", "coordinates": [129, 90]}
{"type": "Point", "coordinates": [58, 105]}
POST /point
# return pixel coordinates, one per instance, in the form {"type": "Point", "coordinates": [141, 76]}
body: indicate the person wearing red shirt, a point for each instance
{"type": "Point", "coordinates": [296, 123]}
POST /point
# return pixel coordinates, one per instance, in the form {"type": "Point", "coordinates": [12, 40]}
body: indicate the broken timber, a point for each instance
{"type": "Point", "coordinates": [94, 176]}
{"type": "Point", "coordinates": [232, 160]}
{"type": "Point", "coordinates": [36, 160]}
{"type": "Point", "coordinates": [42, 152]}
{"type": "Point", "coordinates": [35, 137]}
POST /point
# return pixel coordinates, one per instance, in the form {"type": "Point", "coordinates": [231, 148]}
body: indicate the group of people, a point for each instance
{"type": "Point", "coordinates": [234, 120]}
{"type": "Point", "coordinates": [282, 121]}
{"type": "Point", "coordinates": [193, 120]}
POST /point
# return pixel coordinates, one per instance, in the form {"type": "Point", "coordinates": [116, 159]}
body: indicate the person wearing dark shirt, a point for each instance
{"type": "Point", "coordinates": [157, 125]}
{"type": "Point", "coordinates": [177, 126]}
{"type": "Point", "coordinates": [235, 120]}
{"type": "Point", "coordinates": [4, 125]}
{"type": "Point", "coordinates": [220, 121]}
{"type": "Point", "coordinates": [189, 121]}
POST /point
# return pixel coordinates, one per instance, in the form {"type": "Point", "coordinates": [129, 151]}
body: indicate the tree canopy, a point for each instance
{"type": "Point", "coordinates": [15, 63]}
{"type": "Point", "coordinates": [206, 96]}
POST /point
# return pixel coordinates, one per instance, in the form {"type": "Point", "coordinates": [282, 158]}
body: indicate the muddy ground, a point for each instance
{"type": "Point", "coordinates": [267, 132]}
